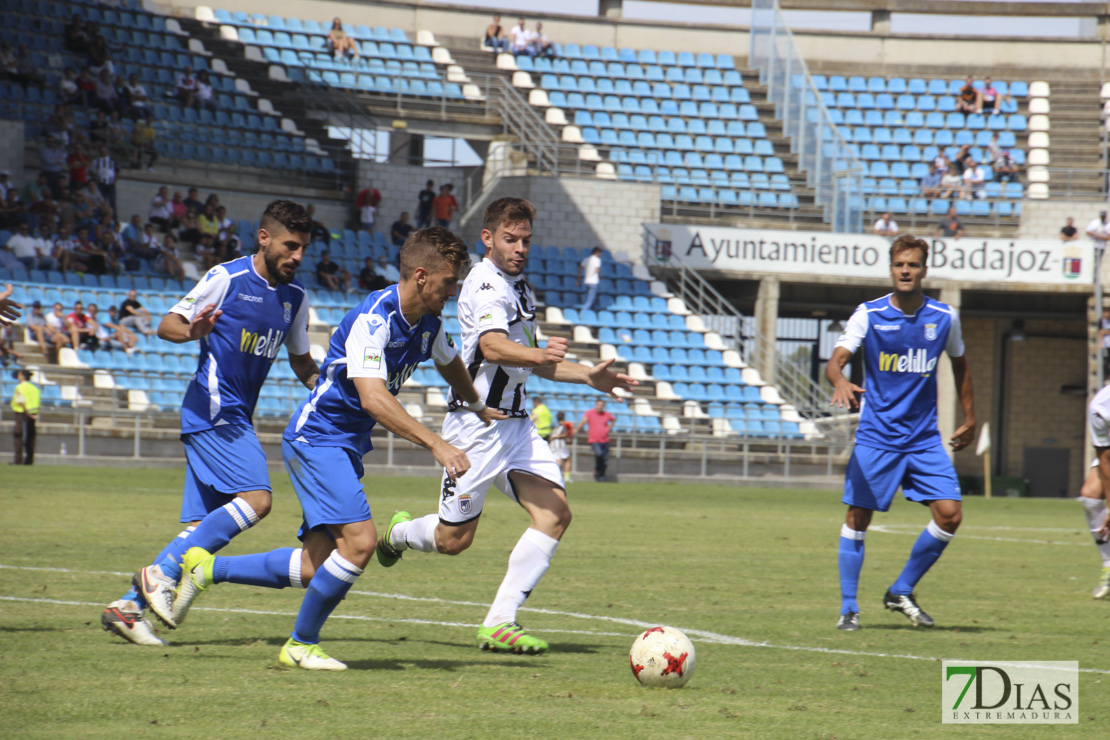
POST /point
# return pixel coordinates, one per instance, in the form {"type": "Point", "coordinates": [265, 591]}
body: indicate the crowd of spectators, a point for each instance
{"type": "Point", "coordinates": [983, 99]}
{"type": "Point", "coordinates": [519, 40]}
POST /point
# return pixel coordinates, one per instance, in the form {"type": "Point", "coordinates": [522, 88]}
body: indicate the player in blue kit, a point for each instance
{"type": "Point", "coordinates": [373, 352]}
{"type": "Point", "coordinates": [898, 443]}
{"type": "Point", "coordinates": [242, 312]}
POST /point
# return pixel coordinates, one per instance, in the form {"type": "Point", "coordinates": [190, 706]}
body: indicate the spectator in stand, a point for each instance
{"type": "Point", "coordinates": [1006, 168]}
{"type": "Point", "coordinates": [86, 86]}
{"type": "Point", "coordinates": [64, 245]}
{"type": "Point", "coordinates": [563, 431]}
{"type": "Point", "coordinates": [339, 43]}
{"type": "Point", "coordinates": [149, 246]}
{"type": "Point", "coordinates": [91, 257]}
{"type": "Point", "coordinates": [81, 330]}
{"type": "Point", "coordinates": [104, 170]}
{"type": "Point", "coordinates": [161, 210]}
{"type": "Point", "coordinates": [885, 226]}
{"type": "Point", "coordinates": [133, 315]}
{"type": "Point", "coordinates": [98, 201]}
{"type": "Point", "coordinates": [137, 98]}
{"type": "Point", "coordinates": [975, 181]}
{"type": "Point", "coordinates": [36, 324]}
{"type": "Point", "coordinates": [208, 226]}
{"type": "Point", "coordinates": [320, 232]}
{"type": "Point", "coordinates": [930, 184]}
{"type": "Point", "coordinates": [1099, 231]}
{"type": "Point", "coordinates": [100, 55]}
{"type": "Point", "coordinates": [45, 211]}
{"type": "Point", "coordinates": [994, 150]}
{"type": "Point", "coordinates": [69, 91]}
{"type": "Point", "coordinates": [7, 345]}
{"type": "Point", "coordinates": [967, 101]}
{"type": "Point", "coordinates": [143, 139]}
{"type": "Point", "coordinates": [57, 329]}
{"type": "Point", "coordinates": [179, 207]}
{"type": "Point", "coordinates": [1069, 233]}
{"type": "Point", "coordinates": [107, 238]}
{"type": "Point", "coordinates": [522, 38]}
{"type": "Point", "coordinates": [25, 403]}
{"type": "Point", "coordinates": [444, 206]}
{"type": "Point", "coordinates": [123, 95]}
{"type": "Point", "coordinates": [205, 98]}
{"type": "Point", "coordinates": [168, 260]}
{"type": "Point", "coordinates": [186, 88]}
{"type": "Point", "coordinates": [388, 270]}
{"type": "Point", "coordinates": [424, 200]}
{"type": "Point", "coordinates": [369, 279]}
{"type": "Point", "coordinates": [132, 234]}
{"type": "Point", "coordinates": [950, 225]}
{"type": "Point", "coordinates": [989, 99]}
{"type": "Point", "coordinates": [227, 239]}
{"type": "Point", "coordinates": [107, 99]}
{"type": "Point", "coordinates": [589, 274]}
{"type": "Point", "coordinates": [963, 156]}
{"type": "Point", "coordinates": [495, 37]}
{"type": "Point", "coordinates": [400, 229]}
{"type": "Point", "coordinates": [76, 36]}
{"type": "Point", "coordinates": [366, 205]}
{"type": "Point", "coordinates": [78, 164]}
{"type": "Point", "coordinates": [330, 275]}
{"type": "Point", "coordinates": [52, 159]}
{"type": "Point", "coordinates": [5, 184]}
{"type": "Point", "coordinates": [109, 334]}
{"type": "Point", "coordinates": [599, 422]}
{"type": "Point", "coordinates": [22, 69]}
{"type": "Point", "coordinates": [193, 201]}
{"type": "Point", "coordinates": [541, 45]}
{"type": "Point", "coordinates": [13, 211]}
{"type": "Point", "coordinates": [951, 184]}
{"type": "Point", "coordinates": [22, 246]}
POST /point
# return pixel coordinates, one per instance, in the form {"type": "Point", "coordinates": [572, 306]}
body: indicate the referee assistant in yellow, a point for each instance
{"type": "Point", "coordinates": [25, 404]}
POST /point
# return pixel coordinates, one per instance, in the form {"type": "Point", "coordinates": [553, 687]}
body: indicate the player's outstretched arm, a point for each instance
{"type": "Point", "coordinates": [844, 392]}
{"type": "Point", "coordinates": [177, 329]}
{"type": "Point", "coordinates": [377, 401]}
{"type": "Point", "coordinates": [966, 431]}
{"type": "Point", "coordinates": [9, 309]}
{"type": "Point", "coordinates": [599, 377]}
{"type": "Point", "coordinates": [305, 368]}
{"type": "Point", "coordinates": [500, 350]}
{"type": "Point", "coordinates": [458, 378]}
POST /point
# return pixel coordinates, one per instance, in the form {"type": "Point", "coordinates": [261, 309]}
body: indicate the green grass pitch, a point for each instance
{"type": "Point", "coordinates": [749, 573]}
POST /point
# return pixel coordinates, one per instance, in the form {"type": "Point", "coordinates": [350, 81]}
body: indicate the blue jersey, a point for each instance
{"type": "Point", "coordinates": [900, 356]}
{"type": "Point", "coordinates": [236, 356]}
{"type": "Point", "coordinates": [373, 341]}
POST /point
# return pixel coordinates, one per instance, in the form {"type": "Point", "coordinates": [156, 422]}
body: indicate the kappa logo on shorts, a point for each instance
{"type": "Point", "coordinates": [448, 488]}
{"type": "Point", "coordinates": [464, 504]}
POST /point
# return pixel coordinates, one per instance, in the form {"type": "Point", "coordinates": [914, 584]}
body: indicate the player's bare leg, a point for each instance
{"type": "Point", "coordinates": [1093, 499]}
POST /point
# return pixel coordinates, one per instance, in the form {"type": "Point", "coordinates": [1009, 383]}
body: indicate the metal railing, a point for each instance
{"type": "Point", "coordinates": [830, 166]}
{"type": "Point", "coordinates": [796, 386]}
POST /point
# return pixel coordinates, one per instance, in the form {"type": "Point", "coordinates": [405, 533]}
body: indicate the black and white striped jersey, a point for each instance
{"type": "Point", "coordinates": [489, 301]}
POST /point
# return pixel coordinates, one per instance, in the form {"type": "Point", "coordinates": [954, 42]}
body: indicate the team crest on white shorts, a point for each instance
{"type": "Point", "coordinates": [930, 332]}
{"type": "Point", "coordinates": [424, 339]}
{"type": "Point", "coordinates": [287, 312]}
{"type": "Point", "coordinates": [464, 504]}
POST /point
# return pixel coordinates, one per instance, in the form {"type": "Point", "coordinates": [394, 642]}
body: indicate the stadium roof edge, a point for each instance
{"type": "Point", "coordinates": [929, 7]}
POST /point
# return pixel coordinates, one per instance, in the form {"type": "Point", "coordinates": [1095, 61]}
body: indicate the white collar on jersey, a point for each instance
{"type": "Point", "coordinates": [508, 278]}
{"type": "Point", "coordinates": [254, 271]}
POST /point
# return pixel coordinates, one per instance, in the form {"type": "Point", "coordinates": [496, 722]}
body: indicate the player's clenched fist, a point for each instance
{"type": "Point", "coordinates": [555, 350]}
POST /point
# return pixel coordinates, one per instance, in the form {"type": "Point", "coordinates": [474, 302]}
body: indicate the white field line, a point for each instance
{"type": "Point", "coordinates": [916, 530]}
{"type": "Point", "coordinates": [701, 635]}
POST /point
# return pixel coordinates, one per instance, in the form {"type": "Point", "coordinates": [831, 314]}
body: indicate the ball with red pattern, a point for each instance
{"type": "Point", "coordinates": [662, 656]}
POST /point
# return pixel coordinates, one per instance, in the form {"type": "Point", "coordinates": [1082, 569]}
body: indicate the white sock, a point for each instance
{"type": "Point", "coordinates": [295, 568]}
{"type": "Point", "coordinates": [527, 564]}
{"type": "Point", "coordinates": [419, 534]}
{"type": "Point", "coordinates": [1095, 509]}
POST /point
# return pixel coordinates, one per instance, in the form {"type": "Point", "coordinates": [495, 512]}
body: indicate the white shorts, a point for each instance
{"type": "Point", "coordinates": [1098, 418]}
{"type": "Point", "coordinates": [506, 446]}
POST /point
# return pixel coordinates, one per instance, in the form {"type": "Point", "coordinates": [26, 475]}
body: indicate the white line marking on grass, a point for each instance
{"type": "Point", "coordinates": [889, 529]}
{"type": "Point", "coordinates": [702, 635]}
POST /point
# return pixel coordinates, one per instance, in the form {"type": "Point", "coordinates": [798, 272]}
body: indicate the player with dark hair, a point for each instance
{"type": "Point", "coordinates": [373, 352]}
{"type": "Point", "coordinates": [241, 312]}
{"type": "Point", "coordinates": [898, 443]}
{"type": "Point", "coordinates": [497, 312]}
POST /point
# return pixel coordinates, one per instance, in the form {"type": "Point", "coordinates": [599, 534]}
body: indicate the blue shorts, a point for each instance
{"type": "Point", "coordinates": [328, 484]}
{"type": "Point", "coordinates": [220, 463]}
{"type": "Point", "coordinates": [874, 475]}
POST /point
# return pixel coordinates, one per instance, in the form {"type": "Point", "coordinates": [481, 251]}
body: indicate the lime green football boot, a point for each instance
{"type": "Point", "coordinates": [388, 553]}
{"type": "Point", "coordinates": [509, 637]}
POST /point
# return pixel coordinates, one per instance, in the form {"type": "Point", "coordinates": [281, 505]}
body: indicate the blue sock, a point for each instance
{"type": "Point", "coordinates": [274, 569]}
{"type": "Point", "coordinates": [213, 532]}
{"type": "Point", "coordinates": [326, 589]}
{"type": "Point", "coordinates": [177, 546]}
{"type": "Point", "coordinates": [851, 563]}
{"type": "Point", "coordinates": [930, 544]}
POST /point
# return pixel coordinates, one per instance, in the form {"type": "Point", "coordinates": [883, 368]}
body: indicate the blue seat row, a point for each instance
{"type": "Point", "coordinates": [275, 23]}
{"type": "Point", "coordinates": [727, 198]}
{"type": "Point", "coordinates": [620, 319]}
{"type": "Point", "coordinates": [690, 118]}
{"type": "Point", "coordinates": [647, 56]}
{"type": "Point", "coordinates": [629, 104]}
{"type": "Point", "coordinates": [926, 136]}
{"type": "Point", "coordinates": [939, 207]}
{"type": "Point", "coordinates": [631, 71]}
{"type": "Point", "coordinates": [906, 102]}
{"type": "Point", "coordinates": [914, 86]}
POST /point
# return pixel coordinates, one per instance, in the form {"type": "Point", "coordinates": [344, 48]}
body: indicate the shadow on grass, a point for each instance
{"type": "Point", "coordinates": [956, 628]}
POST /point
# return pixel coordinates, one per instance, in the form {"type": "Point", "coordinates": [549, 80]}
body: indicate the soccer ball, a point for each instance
{"type": "Point", "coordinates": [662, 656]}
